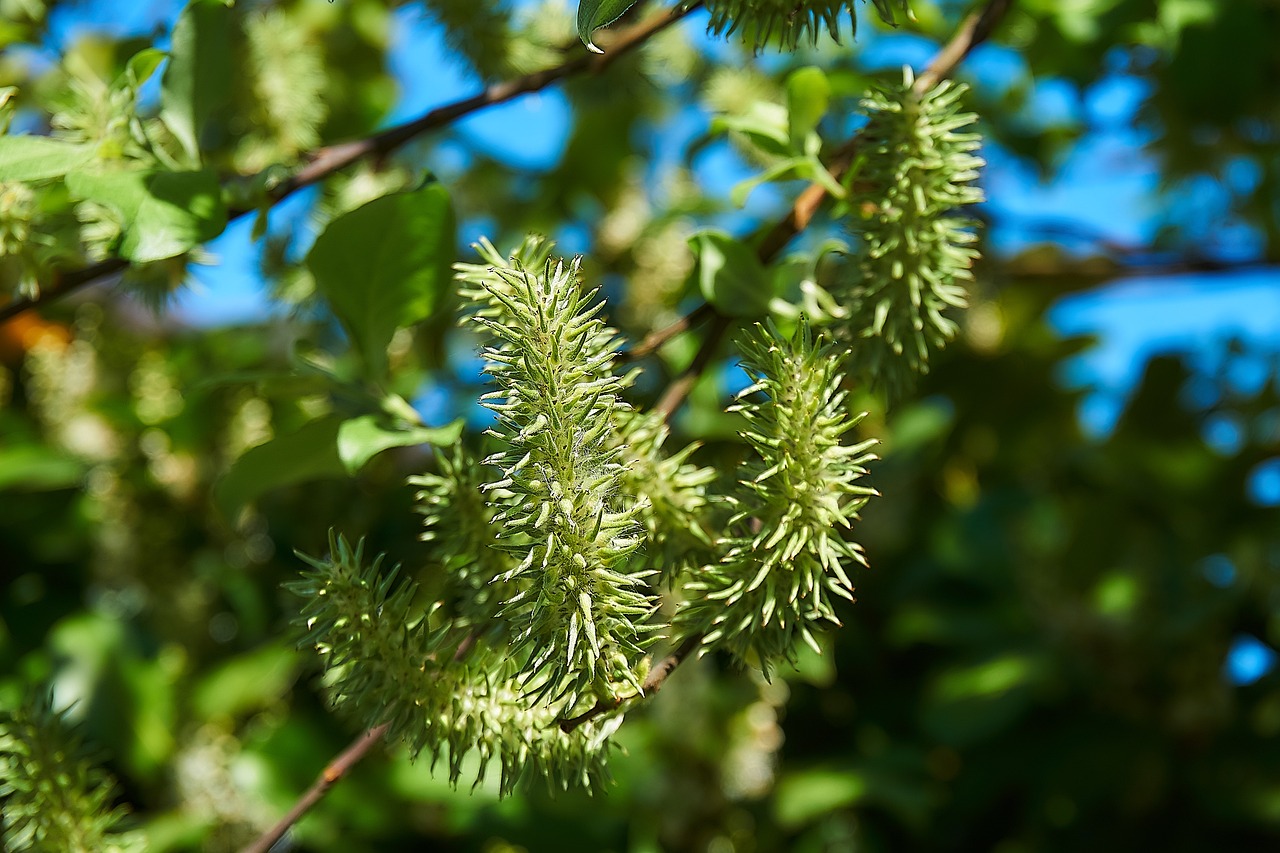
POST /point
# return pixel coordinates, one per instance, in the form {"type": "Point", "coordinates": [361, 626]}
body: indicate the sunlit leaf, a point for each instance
{"type": "Point", "coordinates": [197, 83]}
{"type": "Point", "coordinates": [165, 213]}
{"type": "Point", "coordinates": [730, 275]}
{"type": "Point", "coordinates": [593, 14]}
{"type": "Point", "coordinates": [39, 158]}
{"type": "Point", "coordinates": [808, 94]}
{"type": "Point", "coordinates": [362, 438]}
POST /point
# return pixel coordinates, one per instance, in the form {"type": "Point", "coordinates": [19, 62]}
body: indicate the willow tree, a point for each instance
{"type": "Point", "coordinates": [575, 556]}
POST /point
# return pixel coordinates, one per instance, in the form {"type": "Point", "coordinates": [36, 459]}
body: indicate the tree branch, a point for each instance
{"type": "Point", "coordinates": [976, 29]}
{"type": "Point", "coordinates": [332, 158]}
{"type": "Point", "coordinates": [335, 771]}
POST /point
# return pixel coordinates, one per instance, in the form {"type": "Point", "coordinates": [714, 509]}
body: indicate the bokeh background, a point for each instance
{"type": "Point", "coordinates": [1067, 634]}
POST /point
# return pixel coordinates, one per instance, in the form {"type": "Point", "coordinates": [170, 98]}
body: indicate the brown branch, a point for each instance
{"type": "Point", "coordinates": [682, 385]}
{"type": "Point", "coordinates": [652, 684]}
{"type": "Point", "coordinates": [64, 283]}
{"type": "Point", "coordinates": [331, 775]}
{"type": "Point", "coordinates": [332, 158]}
{"type": "Point", "coordinates": [976, 29]}
{"type": "Point", "coordinates": [654, 340]}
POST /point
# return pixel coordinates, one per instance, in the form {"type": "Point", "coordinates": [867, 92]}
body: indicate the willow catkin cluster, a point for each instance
{"type": "Point", "coordinates": [51, 796]}
{"type": "Point", "coordinates": [386, 662]}
{"type": "Point", "coordinates": [774, 585]}
{"type": "Point", "coordinates": [758, 22]}
{"type": "Point", "coordinates": [918, 170]}
{"type": "Point", "coordinates": [579, 614]}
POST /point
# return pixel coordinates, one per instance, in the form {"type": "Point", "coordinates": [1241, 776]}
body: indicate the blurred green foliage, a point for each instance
{"type": "Point", "coordinates": [1035, 659]}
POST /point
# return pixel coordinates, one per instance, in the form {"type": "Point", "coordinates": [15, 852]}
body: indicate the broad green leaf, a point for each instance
{"type": "Point", "coordinates": [39, 158]}
{"type": "Point", "coordinates": [803, 796]}
{"type": "Point", "coordinates": [764, 123]}
{"type": "Point", "coordinates": [386, 265]}
{"type": "Point", "coordinates": [311, 453]}
{"type": "Point", "coordinates": [362, 438]}
{"type": "Point", "coordinates": [197, 83]}
{"type": "Point", "coordinates": [245, 683]}
{"type": "Point", "coordinates": [593, 14]}
{"type": "Point", "coordinates": [37, 468]}
{"type": "Point", "coordinates": [730, 275]}
{"type": "Point", "coordinates": [808, 94]}
{"type": "Point", "coordinates": [165, 213]}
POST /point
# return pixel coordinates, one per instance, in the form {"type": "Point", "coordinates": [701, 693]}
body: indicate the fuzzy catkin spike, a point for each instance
{"type": "Point", "coordinates": [51, 797]}
{"type": "Point", "coordinates": [386, 664]}
{"type": "Point", "coordinates": [460, 521]}
{"type": "Point", "coordinates": [774, 586]}
{"type": "Point", "coordinates": [676, 503]}
{"type": "Point", "coordinates": [580, 615]}
{"type": "Point", "coordinates": [917, 253]}
{"type": "Point", "coordinates": [791, 21]}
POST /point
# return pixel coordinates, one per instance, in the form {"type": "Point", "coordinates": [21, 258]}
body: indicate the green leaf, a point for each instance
{"type": "Point", "coordinates": [808, 94]}
{"type": "Point", "coordinates": [765, 124]}
{"type": "Point", "coordinates": [730, 275]}
{"type": "Point", "coordinates": [311, 453]}
{"type": "Point", "coordinates": [38, 468]}
{"type": "Point", "coordinates": [197, 84]}
{"type": "Point", "coordinates": [593, 14]}
{"type": "Point", "coordinates": [362, 438]}
{"type": "Point", "coordinates": [245, 683]}
{"type": "Point", "coordinates": [165, 213]}
{"type": "Point", "coordinates": [386, 265]}
{"type": "Point", "coordinates": [142, 65]}
{"type": "Point", "coordinates": [803, 796]}
{"type": "Point", "coordinates": [738, 195]}
{"type": "Point", "coordinates": [39, 158]}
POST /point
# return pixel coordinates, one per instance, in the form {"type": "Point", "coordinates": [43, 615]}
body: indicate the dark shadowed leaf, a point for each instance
{"type": "Point", "coordinates": [385, 265]}
{"type": "Point", "coordinates": [311, 453]}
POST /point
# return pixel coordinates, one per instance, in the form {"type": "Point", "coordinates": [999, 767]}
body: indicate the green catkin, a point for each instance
{"type": "Point", "coordinates": [917, 253]}
{"type": "Point", "coordinates": [774, 585]}
{"type": "Point", "coordinates": [51, 796]}
{"type": "Point", "coordinates": [386, 663]}
{"type": "Point", "coordinates": [790, 22]}
{"type": "Point", "coordinates": [580, 615]}
{"type": "Point", "coordinates": [459, 520]}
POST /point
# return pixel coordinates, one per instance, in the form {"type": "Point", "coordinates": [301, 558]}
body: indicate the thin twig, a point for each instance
{"type": "Point", "coordinates": [335, 771]}
{"type": "Point", "coordinates": [976, 29]}
{"type": "Point", "coordinates": [683, 384]}
{"type": "Point", "coordinates": [332, 158]}
{"type": "Point", "coordinates": [652, 684]}
{"type": "Point", "coordinates": [654, 340]}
